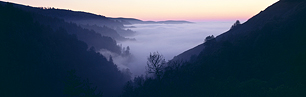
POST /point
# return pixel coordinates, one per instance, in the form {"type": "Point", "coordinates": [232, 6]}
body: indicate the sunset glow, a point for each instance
{"type": "Point", "coordinates": [192, 10]}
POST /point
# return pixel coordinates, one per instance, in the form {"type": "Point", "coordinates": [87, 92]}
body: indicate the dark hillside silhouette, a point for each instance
{"type": "Point", "coordinates": [189, 54]}
{"type": "Point", "coordinates": [264, 57]}
{"type": "Point", "coordinates": [90, 37]}
{"type": "Point", "coordinates": [106, 31]}
{"type": "Point", "coordinates": [78, 17]}
{"type": "Point", "coordinates": [70, 15]}
{"type": "Point", "coordinates": [35, 60]}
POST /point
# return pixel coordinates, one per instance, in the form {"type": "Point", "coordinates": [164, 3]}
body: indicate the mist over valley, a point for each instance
{"type": "Point", "coordinates": [167, 39]}
{"type": "Point", "coordinates": [54, 52]}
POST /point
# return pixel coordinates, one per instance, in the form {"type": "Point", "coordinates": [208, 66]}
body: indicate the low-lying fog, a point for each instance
{"type": "Point", "coordinates": [168, 39]}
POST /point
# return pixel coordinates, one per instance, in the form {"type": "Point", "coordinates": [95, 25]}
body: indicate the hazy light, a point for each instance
{"type": "Point", "coordinates": [169, 40]}
{"type": "Point", "coordinates": [161, 9]}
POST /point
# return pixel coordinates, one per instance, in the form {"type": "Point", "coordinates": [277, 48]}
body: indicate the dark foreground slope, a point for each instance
{"type": "Point", "coordinates": [35, 60]}
{"type": "Point", "coordinates": [189, 54]}
{"type": "Point", "coordinates": [276, 12]}
{"type": "Point", "coordinates": [265, 57]}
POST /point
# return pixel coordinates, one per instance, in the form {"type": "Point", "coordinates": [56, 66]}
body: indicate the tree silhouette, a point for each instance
{"type": "Point", "coordinates": [236, 24]}
{"type": "Point", "coordinates": [155, 64]}
{"type": "Point", "coordinates": [127, 50]}
{"type": "Point", "coordinates": [209, 38]}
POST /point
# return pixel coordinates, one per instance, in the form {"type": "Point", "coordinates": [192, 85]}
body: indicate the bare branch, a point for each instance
{"type": "Point", "coordinates": [155, 64]}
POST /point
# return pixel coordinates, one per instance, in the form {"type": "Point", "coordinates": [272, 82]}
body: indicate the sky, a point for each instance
{"type": "Point", "coordinates": [192, 10]}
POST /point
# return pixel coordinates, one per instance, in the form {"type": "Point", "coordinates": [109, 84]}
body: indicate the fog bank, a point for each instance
{"type": "Point", "coordinates": [169, 40]}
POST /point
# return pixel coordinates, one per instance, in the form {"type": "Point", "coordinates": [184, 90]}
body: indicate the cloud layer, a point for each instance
{"type": "Point", "coordinates": [169, 40]}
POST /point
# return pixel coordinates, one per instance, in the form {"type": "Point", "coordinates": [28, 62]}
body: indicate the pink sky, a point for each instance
{"type": "Point", "coordinates": [191, 10]}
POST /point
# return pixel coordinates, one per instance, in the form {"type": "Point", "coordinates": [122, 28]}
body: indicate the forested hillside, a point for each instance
{"type": "Point", "coordinates": [90, 37]}
{"type": "Point", "coordinates": [39, 61]}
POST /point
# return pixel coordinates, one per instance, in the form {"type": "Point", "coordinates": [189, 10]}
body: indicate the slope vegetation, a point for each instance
{"type": "Point", "coordinates": [35, 60]}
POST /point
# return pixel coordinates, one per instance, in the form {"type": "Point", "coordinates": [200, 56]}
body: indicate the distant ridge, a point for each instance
{"type": "Point", "coordinates": [93, 21]}
{"type": "Point", "coordinates": [79, 17]}
{"type": "Point", "coordinates": [137, 21]}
